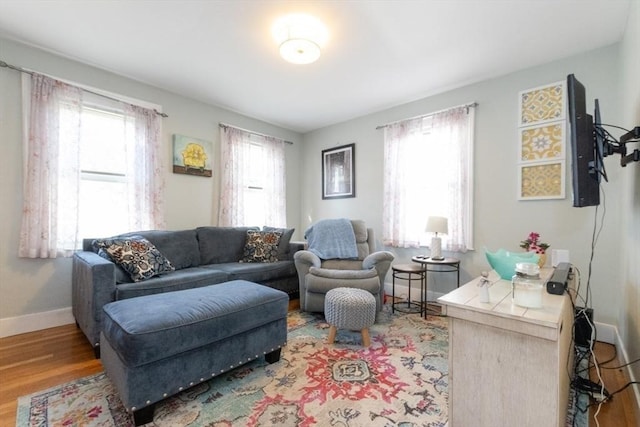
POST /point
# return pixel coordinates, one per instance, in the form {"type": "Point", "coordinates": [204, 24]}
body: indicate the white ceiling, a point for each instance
{"type": "Point", "coordinates": [379, 54]}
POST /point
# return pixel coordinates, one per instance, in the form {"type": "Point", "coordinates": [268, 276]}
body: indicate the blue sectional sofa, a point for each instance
{"type": "Point", "coordinates": [198, 257]}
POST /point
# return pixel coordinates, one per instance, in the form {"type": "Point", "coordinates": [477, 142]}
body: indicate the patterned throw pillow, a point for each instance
{"type": "Point", "coordinates": [261, 246]}
{"type": "Point", "coordinates": [136, 255]}
{"type": "Point", "coordinates": [283, 245]}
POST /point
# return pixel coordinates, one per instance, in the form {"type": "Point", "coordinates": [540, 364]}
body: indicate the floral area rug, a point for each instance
{"type": "Point", "coordinates": [400, 380]}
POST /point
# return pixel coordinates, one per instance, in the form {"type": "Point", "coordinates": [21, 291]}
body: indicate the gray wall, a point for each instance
{"type": "Point", "coordinates": [500, 220]}
{"type": "Point", "coordinates": [629, 309]}
{"type": "Point", "coordinates": [33, 286]}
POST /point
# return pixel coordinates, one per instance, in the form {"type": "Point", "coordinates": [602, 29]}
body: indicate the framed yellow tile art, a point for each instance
{"type": "Point", "coordinates": [542, 104]}
{"type": "Point", "coordinates": [543, 180]}
{"type": "Point", "coordinates": [542, 143]}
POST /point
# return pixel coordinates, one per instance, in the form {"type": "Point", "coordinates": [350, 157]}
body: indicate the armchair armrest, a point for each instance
{"type": "Point", "coordinates": [303, 261]}
{"type": "Point", "coordinates": [343, 274]}
{"type": "Point", "coordinates": [380, 261]}
{"type": "Point", "coordinates": [93, 284]}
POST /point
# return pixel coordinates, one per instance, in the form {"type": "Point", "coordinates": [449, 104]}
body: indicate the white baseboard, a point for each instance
{"type": "Point", "coordinates": [621, 348]}
{"type": "Point", "coordinates": [402, 291]}
{"type": "Point", "coordinates": [10, 326]}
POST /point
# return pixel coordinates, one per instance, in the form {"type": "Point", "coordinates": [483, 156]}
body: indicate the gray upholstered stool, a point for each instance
{"type": "Point", "coordinates": [352, 309]}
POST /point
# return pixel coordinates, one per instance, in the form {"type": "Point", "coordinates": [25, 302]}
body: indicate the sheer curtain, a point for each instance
{"type": "Point", "coordinates": [401, 206]}
{"type": "Point", "coordinates": [52, 170]}
{"type": "Point", "coordinates": [275, 182]}
{"type": "Point", "coordinates": [428, 171]}
{"type": "Point", "coordinates": [236, 162]}
{"type": "Point", "coordinates": [145, 188]}
{"type": "Point", "coordinates": [454, 129]}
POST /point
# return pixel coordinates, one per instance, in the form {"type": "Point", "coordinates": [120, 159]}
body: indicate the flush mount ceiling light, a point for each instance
{"type": "Point", "coordinates": [300, 38]}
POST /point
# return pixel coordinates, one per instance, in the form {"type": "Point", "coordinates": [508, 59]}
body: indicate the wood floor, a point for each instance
{"type": "Point", "coordinates": [38, 360]}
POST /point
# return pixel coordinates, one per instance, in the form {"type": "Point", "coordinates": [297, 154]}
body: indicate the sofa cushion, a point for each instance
{"type": "Point", "coordinates": [180, 247]}
{"type": "Point", "coordinates": [283, 244]}
{"type": "Point", "coordinates": [257, 272]}
{"type": "Point", "coordinates": [143, 330]}
{"type": "Point", "coordinates": [136, 255]}
{"type": "Point", "coordinates": [221, 244]}
{"type": "Point", "coordinates": [187, 278]}
{"type": "Point", "coordinates": [261, 246]}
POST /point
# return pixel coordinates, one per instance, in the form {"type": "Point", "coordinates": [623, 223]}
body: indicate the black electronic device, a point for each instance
{"type": "Point", "coordinates": [590, 144]}
{"type": "Point", "coordinates": [557, 284]}
{"type": "Point", "coordinates": [582, 327]}
{"type": "Point", "coordinates": [585, 177]}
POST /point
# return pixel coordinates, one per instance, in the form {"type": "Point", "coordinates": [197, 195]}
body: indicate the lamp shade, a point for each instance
{"type": "Point", "coordinates": [437, 224]}
{"type": "Point", "coordinates": [299, 51]}
{"type": "Point", "coordinates": [300, 37]}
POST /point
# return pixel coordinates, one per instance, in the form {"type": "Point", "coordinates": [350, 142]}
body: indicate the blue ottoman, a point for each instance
{"type": "Point", "coordinates": [158, 345]}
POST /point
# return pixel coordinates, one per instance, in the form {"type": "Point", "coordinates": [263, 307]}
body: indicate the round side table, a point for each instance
{"type": "Point", "coordinates": [428, 265]}
{"type": "Point", "coordinates": [409, 272]}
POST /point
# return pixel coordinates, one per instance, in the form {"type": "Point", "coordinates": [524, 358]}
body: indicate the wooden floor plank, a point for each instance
{"type": "Point", "coordinates": [622, 410]}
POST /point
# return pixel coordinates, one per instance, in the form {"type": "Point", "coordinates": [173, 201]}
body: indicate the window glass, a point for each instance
{"type": "Point", "coordinates": [254, 197]}
{"type": "Point", "coordinates": [103, 204]}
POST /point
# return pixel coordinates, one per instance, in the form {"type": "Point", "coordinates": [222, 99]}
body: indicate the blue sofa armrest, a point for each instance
{"type": "Point", "coordinates": [93, 284]}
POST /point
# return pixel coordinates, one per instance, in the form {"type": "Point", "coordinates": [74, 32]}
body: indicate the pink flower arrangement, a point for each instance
{"type": "Point", "coordinates": [533, 244]}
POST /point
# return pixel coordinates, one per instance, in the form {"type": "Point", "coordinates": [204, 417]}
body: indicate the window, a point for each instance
{"type": "Point", "coordinates": [255, 188]}
{"type": "Point", "coordinates": [92, 168]}
{"type": "Point", "coordinates": [428, 172]}
{"type": "Point", "coordinates": [103, 172]}
{"type": "Point", "coordinates": [253, 179]}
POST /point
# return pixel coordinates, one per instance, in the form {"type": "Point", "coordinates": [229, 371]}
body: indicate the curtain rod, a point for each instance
{"type": "Point", "coordinates": [224, 125]}
{"type": "Point", "coordinates": [467, 106]}
{"type": "Point", "coordinates": [31, 73]}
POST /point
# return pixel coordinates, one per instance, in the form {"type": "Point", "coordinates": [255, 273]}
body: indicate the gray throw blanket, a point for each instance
{"type": "Point", "coordinates": [332, 239]}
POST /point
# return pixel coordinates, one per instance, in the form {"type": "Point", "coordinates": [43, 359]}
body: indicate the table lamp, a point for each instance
{"type": "Point", "coordinates": [437, 224]}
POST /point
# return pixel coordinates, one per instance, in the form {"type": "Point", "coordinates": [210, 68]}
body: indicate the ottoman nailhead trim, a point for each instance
{"type": "Point", "coordinates": [213, 374]}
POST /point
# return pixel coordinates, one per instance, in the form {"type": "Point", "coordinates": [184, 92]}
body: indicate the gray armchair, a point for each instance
{"type": "Point", "coordinates": [318, 276]}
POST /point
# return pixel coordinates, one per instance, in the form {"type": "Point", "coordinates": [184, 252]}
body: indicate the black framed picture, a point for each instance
{"type": "Point", "coordinates": [338, 172]}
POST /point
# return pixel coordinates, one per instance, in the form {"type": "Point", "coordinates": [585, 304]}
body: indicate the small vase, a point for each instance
{"type": "Point", "coordinates": [542, 260]}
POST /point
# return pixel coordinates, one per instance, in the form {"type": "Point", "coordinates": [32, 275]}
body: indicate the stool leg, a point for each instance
{"type": "Point", "coordinates": [332, 334]}
{"type": "Point", "coordinates": [366, 341]}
